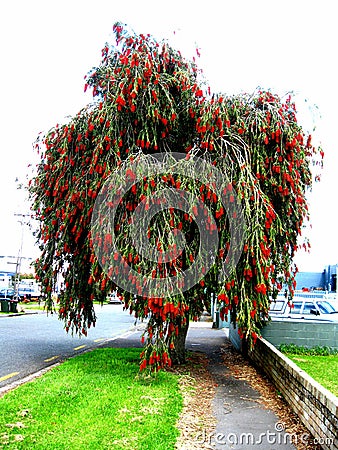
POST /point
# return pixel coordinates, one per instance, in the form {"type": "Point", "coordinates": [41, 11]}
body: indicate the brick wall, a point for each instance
{"type": "Point", "coordinates": [316, 407]}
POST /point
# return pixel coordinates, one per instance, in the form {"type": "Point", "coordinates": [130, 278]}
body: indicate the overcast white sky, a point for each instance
{"type": "Point", "coordinates": [48, 46]}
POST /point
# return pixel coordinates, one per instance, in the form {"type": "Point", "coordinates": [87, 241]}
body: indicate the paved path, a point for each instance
{"type": "Point", "coordinates": [242, 422]}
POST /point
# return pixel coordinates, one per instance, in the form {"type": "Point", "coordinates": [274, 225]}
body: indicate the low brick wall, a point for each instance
{"type": "Point", "coordinates": [315, 406]}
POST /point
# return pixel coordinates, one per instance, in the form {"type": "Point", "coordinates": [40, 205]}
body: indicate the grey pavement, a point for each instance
{"type": "Point", "coordinates": [242, 421]}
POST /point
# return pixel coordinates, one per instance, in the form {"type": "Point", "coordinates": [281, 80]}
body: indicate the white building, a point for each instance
{"type": "Point", "coordinates": [5, 280]}
{"type": "Point", "coordinates": [12, 264]}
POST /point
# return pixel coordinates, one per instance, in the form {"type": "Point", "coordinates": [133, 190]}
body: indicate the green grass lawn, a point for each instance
{"type": "Point", "coordinates": [93, 401]}
{"type": "Point", "coordinates": [29, 306]}
{"type": "Point", "coordinates": [32, 306]}
{"type": "Point", "coordinates": [36, 306]}
{"type": "Point", "coordinates": [320, 363]}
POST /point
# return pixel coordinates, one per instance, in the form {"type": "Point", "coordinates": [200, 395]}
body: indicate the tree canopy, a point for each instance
{"type": "Point", "coordinates": [170, 193]}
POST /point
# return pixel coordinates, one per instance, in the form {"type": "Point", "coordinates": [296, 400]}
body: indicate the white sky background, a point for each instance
{"type": "Point", "coordinates": [47, 47]}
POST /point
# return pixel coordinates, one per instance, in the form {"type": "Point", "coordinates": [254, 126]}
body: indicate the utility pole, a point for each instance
{"type": "Point", "coordinates": [22, 222]}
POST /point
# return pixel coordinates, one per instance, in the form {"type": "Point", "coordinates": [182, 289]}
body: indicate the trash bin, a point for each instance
{"type": "Point", "coordinates": [216, 321]}
{"type": "Point", "coordinates": [4, 305]}
{"type": "Point", "coordinates": [13, 306]}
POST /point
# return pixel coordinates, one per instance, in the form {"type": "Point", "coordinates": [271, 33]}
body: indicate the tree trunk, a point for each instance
{"type": "Point", "coordinates": [178, 354]}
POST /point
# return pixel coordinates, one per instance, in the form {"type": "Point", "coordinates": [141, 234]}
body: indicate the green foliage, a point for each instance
{"type": "Point", "coordinates": [27, 276]}
{"type": "Point", "coordinates": [148, 100]}
{"type": "Point", "coordinates": [301, 350]}
{"type": "Point", "coordinates": [96, 400]}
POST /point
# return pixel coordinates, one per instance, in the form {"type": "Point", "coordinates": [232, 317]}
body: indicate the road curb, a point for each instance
{"type": "Point", "coordinates": [26, 379]}
{"type": "Point", "coordinates": [20, 314]}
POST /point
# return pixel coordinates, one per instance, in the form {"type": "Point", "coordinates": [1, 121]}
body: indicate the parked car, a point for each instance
{"type": "Point", "coordinates": [322, 310]}
{"type": "Point", "coordinates": [28, 293]}
{"type": "Point", "coordinates": [10, 293]}
{"type": "Point", "coordinates": [113, 297]}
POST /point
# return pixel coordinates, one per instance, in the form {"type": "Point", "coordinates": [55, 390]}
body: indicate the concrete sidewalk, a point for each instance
{"type": "Point", "coordinates": [242, 421]}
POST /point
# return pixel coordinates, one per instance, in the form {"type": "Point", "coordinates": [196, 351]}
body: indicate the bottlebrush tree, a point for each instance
{"type": "Point", "coordinates": [150, 105]}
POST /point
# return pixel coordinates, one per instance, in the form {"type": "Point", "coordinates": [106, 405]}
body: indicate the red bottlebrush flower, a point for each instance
{"type": "Point", "coordinates": [143, 365]}
{"type": "Point", "coordinates": [130, 175]}
{"type": "Point", "coordinates": [247, 274]}
{"type": "Point", "coordinates": [261, 288]}
{"type": "Point", "coordinates": [219, 213]}
{"type": "Point", "coordinates": [153, 93]}
{"type": "Point", "coordinates": [120, 101]}
{"type": "Point", "coordinates": [254, 336]}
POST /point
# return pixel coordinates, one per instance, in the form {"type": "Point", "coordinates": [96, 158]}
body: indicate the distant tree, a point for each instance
{"type": "Point", "coordinates": [111, 194]}
{"type": "Point", "coordinates": [27, 276]}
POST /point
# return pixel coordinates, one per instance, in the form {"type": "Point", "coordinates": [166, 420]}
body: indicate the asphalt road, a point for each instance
{"type": "Point", "coordinates": [29, 343]}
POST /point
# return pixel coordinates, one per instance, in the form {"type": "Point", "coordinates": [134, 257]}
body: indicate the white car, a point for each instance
{"type": "Point", "coordinates": [321, 310]}
{"type": "Point", "coordinates": [113, 297]}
